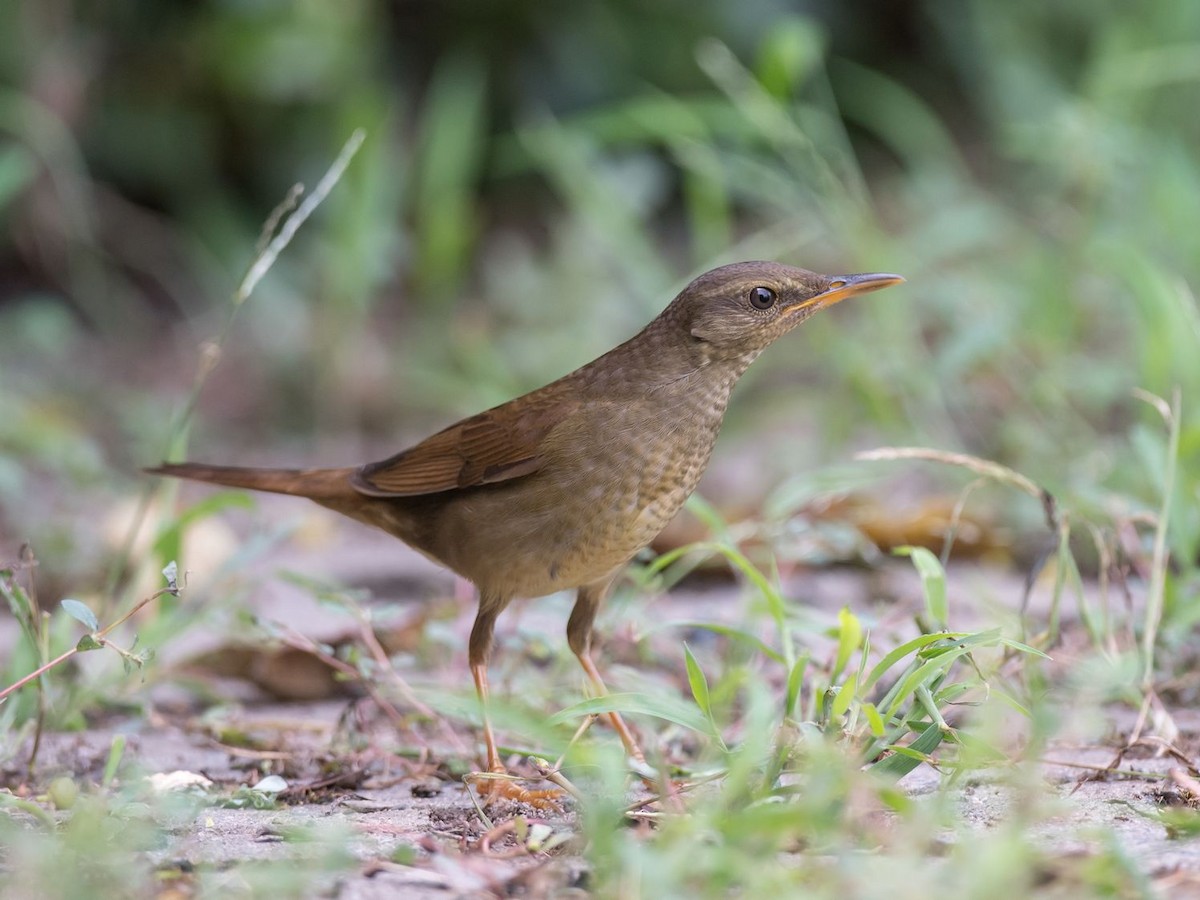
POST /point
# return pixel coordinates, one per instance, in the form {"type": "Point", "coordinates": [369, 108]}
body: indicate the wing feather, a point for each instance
{"type": "Point", "coordinates": [493, 446]}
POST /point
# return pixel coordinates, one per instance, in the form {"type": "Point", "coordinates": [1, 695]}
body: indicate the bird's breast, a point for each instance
{"type": "Point", "coordinates": [612, 481]}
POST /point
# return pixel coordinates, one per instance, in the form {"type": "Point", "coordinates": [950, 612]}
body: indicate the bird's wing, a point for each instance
{"type": "Point", "coordinates": [497, 445]}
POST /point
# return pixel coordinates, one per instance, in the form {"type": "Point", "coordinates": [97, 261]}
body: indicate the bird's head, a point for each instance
{"type": "Point", "coordinates": [740, 309]}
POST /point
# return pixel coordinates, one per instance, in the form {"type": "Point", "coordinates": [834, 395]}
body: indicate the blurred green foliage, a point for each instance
{"type": "Point", "coordinates": [537, 183]}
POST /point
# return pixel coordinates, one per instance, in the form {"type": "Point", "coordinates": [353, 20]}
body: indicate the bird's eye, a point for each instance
{"type": "Point", "coordinates": [762, 298]}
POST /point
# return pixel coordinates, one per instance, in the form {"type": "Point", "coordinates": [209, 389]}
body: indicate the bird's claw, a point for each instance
{"type": "Point", "coordinates": [497, 785]}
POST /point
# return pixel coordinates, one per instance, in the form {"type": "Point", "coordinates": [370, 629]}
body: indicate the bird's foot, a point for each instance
{"type": "Point", "coordinates": [497, 784]}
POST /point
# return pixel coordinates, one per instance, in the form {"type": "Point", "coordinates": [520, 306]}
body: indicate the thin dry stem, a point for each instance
{"type": "Point", "coordinates": [985, 467]}
{"type": "Point", "coordinates": [1158, 567]}
{"type": "Point", "coordinates": [305, 644]}
{"type": "Point", "coordinates": [385, 664]}
{"type": "Point", "coordinates": [100, 637]}
{"type": "Point", "coordinates": [287, 230]}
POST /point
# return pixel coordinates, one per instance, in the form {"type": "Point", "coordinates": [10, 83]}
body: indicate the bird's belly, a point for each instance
{"type": "Point", "coordinates": [567, 526]}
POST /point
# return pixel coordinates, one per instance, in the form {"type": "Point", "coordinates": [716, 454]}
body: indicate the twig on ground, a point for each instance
{"type": "Point", "coordinates": [98, 637]}
{"type": "Point", "coordinates": [385, 664]}
{"type": "Point", "coordinates": [305, 644]}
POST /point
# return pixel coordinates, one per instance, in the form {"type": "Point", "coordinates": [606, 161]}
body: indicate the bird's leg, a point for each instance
{"type": "Point", "coordinates": [479, 673]}
{"type": "Point", "coordinates": [479, 649]}
{"type": "Point", "coordinates": [579, 636]}
{"type": "Point", "coordinates": [477, 655]}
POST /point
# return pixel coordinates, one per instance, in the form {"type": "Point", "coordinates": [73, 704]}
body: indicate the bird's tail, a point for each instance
{"type": "Point", "coordinates": [316, 484]}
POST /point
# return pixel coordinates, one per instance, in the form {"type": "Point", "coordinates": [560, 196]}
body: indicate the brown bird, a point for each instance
{"type": "Point", "coordinates": [559, 489]}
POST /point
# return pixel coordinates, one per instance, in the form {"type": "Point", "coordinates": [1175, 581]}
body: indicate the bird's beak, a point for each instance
{"type": "Point", "coordinates": [843, 286]}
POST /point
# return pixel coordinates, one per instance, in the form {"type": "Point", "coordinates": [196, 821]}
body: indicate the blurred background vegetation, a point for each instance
{"type": "Point", "coordinates": [538, 180]}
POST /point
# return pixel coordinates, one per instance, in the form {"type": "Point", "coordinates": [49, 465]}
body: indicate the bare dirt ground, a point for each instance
{"type": "Point", "coordinates": [410, 822]}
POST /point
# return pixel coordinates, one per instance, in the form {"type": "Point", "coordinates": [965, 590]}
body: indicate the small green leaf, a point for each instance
{"type": "Point", "coordinates": [933, 582]}
{"type": "Point", "coordinates": [874, 720]}
{"type": "Point", "coordinates": [405, 855]}
{"type": "Point", "coordinates": [698, 682]}
{"type": "Point", "coordinates": [116, 752]}
{"type": "Point", "coordinates": [850, 634]}
{"type": "Point", "coordinates": [1023, 648]}
{"type": "Point", "coordinates": [88, 642]}
{"type": "Point", "coordinates": [794, 683]}
{"type": "Point", "coordinates": [845, 695]}
{"type": "Point", "coordinates": [924, 675]}
{"type": "Point", "coordinates": [80, 612]}
{"type": "Point", "coordinates": [904, 759]}
{"type": "Point", "coordinates": [902, 651]}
